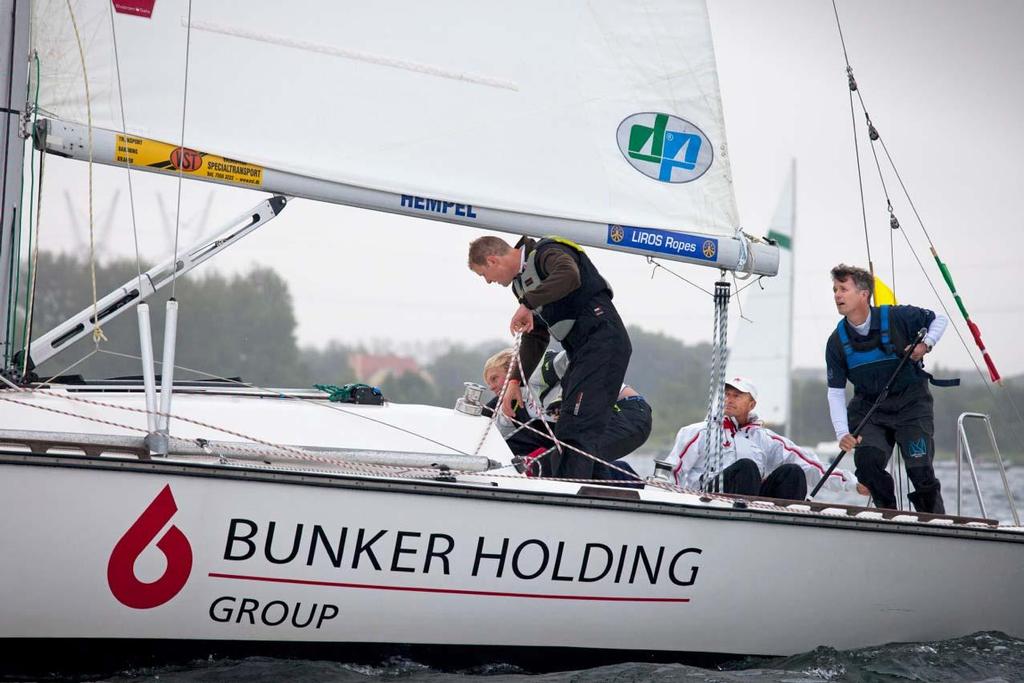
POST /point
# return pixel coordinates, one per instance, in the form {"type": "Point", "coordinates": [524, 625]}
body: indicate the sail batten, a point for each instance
{"type": "Point", "coordinates": [602, 111]}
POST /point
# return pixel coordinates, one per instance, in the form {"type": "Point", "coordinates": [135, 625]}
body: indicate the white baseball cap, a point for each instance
{"type": "Point", "coordinates": [744, 385]}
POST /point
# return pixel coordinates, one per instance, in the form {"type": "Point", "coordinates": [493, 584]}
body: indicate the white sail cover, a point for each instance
{"type": "Point", "coordinates": [763, 341]}
{"type": "Point", "coordinates": [605, 111]}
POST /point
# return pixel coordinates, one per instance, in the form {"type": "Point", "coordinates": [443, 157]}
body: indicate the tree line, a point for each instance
{"type": "Point", "coordinates": [244, 327]}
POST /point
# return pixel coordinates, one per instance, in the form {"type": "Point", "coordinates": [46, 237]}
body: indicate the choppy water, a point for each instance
{"type": "Point", "coordinates": [985, 657]}
{"type": "Point", "coordinates": [989, 480]}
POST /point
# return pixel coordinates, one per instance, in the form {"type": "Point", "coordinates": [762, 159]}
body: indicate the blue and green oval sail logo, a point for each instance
{"type": "Point", "coordinates": [665, 147]}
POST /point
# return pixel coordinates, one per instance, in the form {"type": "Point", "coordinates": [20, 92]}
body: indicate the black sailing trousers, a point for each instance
{"type": "Point", "coordinates": [598, 348]}
{"type": "Point", "coordinates": [905, 419]}
{"type": "Point", "coordinates": [787, 482]}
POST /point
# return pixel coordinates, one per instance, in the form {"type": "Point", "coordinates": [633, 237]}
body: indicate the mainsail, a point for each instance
{"type": "Point", "coordinates": [513, 119]}
{"type": "Point", "coordinates": [763, 350]}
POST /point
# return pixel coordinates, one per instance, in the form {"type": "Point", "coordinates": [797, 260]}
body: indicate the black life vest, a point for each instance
{"type": "Point", "coordinates": [560, 315]}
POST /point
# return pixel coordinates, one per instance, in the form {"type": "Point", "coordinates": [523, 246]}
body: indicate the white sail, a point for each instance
{"type": "Point", "coordinates": [527, 108]}
{"type": "Point", "coordinates": [764, 339]}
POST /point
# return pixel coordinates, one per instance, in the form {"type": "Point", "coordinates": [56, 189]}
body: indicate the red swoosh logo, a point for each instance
{"type": "Point", "coordinates": [125, 586]}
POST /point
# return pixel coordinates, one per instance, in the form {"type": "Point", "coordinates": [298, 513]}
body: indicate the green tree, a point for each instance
{"type": "Point", "coordinates": [457, 365]}
{"type": "Point", "coordinates": [238, 326]}
{"type": "Point", "coordinates": [409, 387]}
{"type": "Point", "coordinates": [329, 365]}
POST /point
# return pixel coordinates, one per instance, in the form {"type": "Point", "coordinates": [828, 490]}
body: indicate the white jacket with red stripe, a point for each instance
{"type": "Point", "coordinates": [753, 440]}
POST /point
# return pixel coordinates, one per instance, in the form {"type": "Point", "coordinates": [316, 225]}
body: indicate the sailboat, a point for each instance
{"type": "Point", "coordinates": [763, 350]}
{"type": "Point", "coordinates": [216, 514]}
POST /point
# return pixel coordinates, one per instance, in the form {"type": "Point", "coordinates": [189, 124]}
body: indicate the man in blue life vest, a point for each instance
{"type": "Point", "coordinates": [562, 294]}
{"type": "Point", "coordinates": [865, 349]}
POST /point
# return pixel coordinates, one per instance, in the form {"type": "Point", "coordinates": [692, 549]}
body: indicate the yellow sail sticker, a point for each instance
{"type": "Point", "coordinates": [161, 156]}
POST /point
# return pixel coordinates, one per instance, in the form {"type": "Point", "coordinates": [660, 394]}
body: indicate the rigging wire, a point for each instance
{"type": "Point", "coordinates": [57, 375]}
{"type": "Point", "coordinates": [852, 82]}
{"type": "Point", "coordinates": [963, 342]}
{"type": "Point", "coordinates": [31, 208]}
{"type": "Point", "coordinates": [181, 148]}
{"type": "Point", "coordinates": [655, 265]}
{"type": "Point", "coordinates": [332, 406]}
{"type": "Point", "coordinates": [13, 261]}
{"type": "Point", "coordinates": [124, 132]}
{"type": "Point", "coordinates": [375, 470]}
{"type": "Point", "coordinates": [894, 225]}
{"type": "Point", "coordinates": [736, 284]}
{"type": "Point", "coordinates": [874, 136]}
{"type": "Point", "coordinates": [277, 393]}
{"type": "Point", "coordinates": [33, 270]}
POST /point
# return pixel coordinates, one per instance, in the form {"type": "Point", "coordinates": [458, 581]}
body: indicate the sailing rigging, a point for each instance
{"type": "Point", "coordinates": [538, 126]}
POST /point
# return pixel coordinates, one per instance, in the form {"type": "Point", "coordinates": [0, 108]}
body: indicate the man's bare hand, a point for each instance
{"type": "Point", "coordinates": [862, 489]}
{"type": "Point", "coordinates": [522, 321]}
{"type": "Point", "coordinates": [848, 443]}
{"type": "Point", "coordinates": [918, 352]}
{"type": "Point", "coordinates": [513, 397]}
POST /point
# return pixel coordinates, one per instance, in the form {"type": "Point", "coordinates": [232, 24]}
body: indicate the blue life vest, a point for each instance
{"type": "Point", "coordinates": [870, 364]}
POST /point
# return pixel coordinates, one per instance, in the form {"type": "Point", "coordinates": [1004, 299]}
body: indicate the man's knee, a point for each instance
{"type": "Point", "coordinates": [786, 481]}
{"type": "Point", "coordinates": [742, 477]}
{"type": "Point", "coordinates": [870, 459]}
{"type": "Point", "coordinates": [870, 470]}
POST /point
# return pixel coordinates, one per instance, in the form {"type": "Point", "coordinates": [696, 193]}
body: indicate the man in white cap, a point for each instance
{"type": "Point", "coordinates": [755, 460]}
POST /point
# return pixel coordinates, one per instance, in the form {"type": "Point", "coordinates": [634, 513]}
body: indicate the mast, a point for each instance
{"type": "Point", "coordinates": [14, 29]}
{"type": "Point", "coordinates": [792, 280]}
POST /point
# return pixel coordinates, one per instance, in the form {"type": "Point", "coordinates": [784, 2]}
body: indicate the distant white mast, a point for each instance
{"type": "Point", "coordinates": [764, 342]}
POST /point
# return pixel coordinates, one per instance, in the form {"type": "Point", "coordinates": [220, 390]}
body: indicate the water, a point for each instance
{"type": "Point", "coordinates": [985, 657]}
{"type": "Point", "coordinates": [996, 504]}
{"type": "Point", "coordinates": [991, 484]}
{"type": "Point", "coordinates": [980, 657]}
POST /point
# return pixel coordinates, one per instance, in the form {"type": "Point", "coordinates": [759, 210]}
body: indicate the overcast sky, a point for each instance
{"type": "Point", "coordinates": [941, 78]}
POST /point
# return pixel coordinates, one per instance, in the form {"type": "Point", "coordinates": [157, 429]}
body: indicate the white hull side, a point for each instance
{"type": "Point", "coordinates": [761, 587]}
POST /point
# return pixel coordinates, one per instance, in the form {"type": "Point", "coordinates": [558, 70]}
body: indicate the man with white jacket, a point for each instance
{"type": "Point", "coordinates": [755, 460]}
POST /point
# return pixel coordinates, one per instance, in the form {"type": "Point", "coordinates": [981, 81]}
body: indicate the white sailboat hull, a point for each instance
{"type": "Point", "coordinates": [276, 555]}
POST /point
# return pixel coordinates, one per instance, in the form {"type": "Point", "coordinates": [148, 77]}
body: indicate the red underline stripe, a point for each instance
{"type": "Point", "coordinates": [450, 591]}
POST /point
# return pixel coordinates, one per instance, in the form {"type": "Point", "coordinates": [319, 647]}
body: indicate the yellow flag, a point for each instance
{"type": "Point", "coordinates": [883, 295]}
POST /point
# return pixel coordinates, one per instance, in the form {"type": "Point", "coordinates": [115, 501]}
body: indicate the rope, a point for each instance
{"type": "Point", "coordinates": [745, 254]}
{"type": "Point", "coordinates": [124, 131]}
{"type": "Point", "coordinates": [277, 450]}
{"type": "Point", "coordinates": [852, 84]}
{"type": "Point", "coordinates": [716, 394]}
{"type": "Point", "coordinates": [370, 470]}
{"type": "Point", "coordinates": [33, 272]}
{"type": "Point", "coordinates": [97, 331]}
{"type": "Point", "coordinates": [895, 226]}
{"type": "Point", "coordinates": [513, 363]}
{"type": "Point", "coordinates": [181, 149]}
{"type": "Point", "coordinates": [25, 332]}
{"type": "Point", "coordinates": [13, 260]}
{"type": "Point", "coordinates": [516, 362]}
{"type": "Point", "coordinates": [562, 444]}
{"type": "Point", "coordinates": [318, 403]}
{"type": "Point", "coordinates": [276, 393]}
{"type": "Point", "coordinates": [539, 407]}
